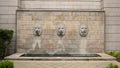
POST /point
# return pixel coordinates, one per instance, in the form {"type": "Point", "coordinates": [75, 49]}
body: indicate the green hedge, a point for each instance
{"type": "Point", "coordinates": [6, 64]}
{"type": "Point", "coordinates": [112, 66]}
{"type": "Point", "coordinates": [5, 40]}
{"type": "Point", "coordinates": [114, 54]}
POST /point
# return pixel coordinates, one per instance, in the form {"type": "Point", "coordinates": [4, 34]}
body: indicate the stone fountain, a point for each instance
{"type": "Point", "coordinates": [37, 31]}
{"type": "Point", "coordinates": [68, 33]}
{"type": "Point", "coordinates": [59, 38]}
{"type": "Point", "coordinates": [83, 34]}
{"type": "Point", "coordinates": [60, 33]}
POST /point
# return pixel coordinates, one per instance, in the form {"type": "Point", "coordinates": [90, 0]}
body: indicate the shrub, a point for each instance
{"type": "Point", "coordinates": [114, 54]}
{"type": "Point", "coordinates": [117, 55]}
{"type": "Point", "coordinates": [5, 40]}
{"type": "Point", "coordinates": [112, 66]}
{"type": "Point", "coordinates": [6, 64]}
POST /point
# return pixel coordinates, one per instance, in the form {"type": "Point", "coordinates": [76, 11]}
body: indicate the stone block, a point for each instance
{"type": "Point", "coordinates": [9, 3]}
{"type": "Point", "coordinates": [61, 4]}
{"type": "Point", "coordinates": [111, 1]}
{"type": "Point", "coordinates": [115, 22]}
{"type": "Point", "coordinates": [10, 19]}
{"type": "Point", "coordinates": [112, 37]}
{"type": "Point", "coordinates": [112, 29]}
{"type": "Point", "coordinates": [112, 5]}
{"type": "Point", "coordinates": [112, 12]}
{"type": "Point", "coordinates": [8, 10]}
{"type": "Point", "coordinates": [67, 1]}
{"type": "Point", "coordinates": [8, 26]}
{"type": "Point", "coordinates": [113, 18]}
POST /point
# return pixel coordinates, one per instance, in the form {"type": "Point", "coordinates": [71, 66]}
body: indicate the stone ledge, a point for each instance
{"type": "Point", "coordinates": [104, 57]}
{"type": "Point", "coordinates": [62, 64]}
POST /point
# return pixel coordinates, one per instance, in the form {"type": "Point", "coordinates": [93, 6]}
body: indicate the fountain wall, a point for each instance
{"type": "Point", "coordinates": [49, 19]}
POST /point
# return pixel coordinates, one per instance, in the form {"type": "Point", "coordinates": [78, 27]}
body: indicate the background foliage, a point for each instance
{"type": "Point", "coordinates": [5, 40]}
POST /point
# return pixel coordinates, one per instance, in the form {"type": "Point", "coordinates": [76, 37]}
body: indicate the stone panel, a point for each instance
{"type": "Point", "coordinates": [71, 20]}
{"type": "Point", "coordinates": [67, 0]}
{"type": "Point", "coordinates": [61, 5]}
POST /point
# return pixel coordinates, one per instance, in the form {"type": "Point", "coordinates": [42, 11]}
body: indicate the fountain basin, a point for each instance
{"type": "Point", "coordinates": [61, 62]}
{"type": "Point", "coordinates": [101, 57]}
{"type": "Point", "coordinates": [39, 53]}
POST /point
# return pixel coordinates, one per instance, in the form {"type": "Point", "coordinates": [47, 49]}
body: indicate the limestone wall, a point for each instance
{"type": "Point", "coordinates": [8, 17]}
{"type": "Point", "coordinates": [112, 42]}
{"type": "Point", "coordinates": [112, 35]}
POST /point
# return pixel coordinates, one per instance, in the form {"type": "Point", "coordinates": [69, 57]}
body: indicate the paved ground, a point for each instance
{"type": "Point", "coordinates": [62, 64]}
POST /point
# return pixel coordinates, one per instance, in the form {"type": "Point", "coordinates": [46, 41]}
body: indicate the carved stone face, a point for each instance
{"type": "Point", "coordinates": [60, 30]}
{"type": "Point", "coordinates": [37, 30]}
{"type": "Point", "coordinates": [83, 30]}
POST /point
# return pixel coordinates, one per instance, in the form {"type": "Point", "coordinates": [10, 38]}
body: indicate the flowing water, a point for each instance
{"type": "Point", "coordinates": [83, 45]}
{"type": "Point", "coordinates": [37, 42]}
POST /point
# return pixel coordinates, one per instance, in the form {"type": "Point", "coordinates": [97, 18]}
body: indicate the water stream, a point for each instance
{"type": "Point", "coordinates": [83, 45]}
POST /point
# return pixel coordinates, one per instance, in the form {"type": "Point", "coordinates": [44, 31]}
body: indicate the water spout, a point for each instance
{"type": "Point", "coordinates": [83, 45]}
{"type": "Point", "coordinates": [83, 42]}
{"type": "Point", "coordinates": [37, 36]}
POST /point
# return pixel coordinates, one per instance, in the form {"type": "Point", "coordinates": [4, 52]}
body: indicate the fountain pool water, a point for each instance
{"type": "Point", "coordinates": [60, 55]}
{"type": "Point", "coordinates": [83, 46]}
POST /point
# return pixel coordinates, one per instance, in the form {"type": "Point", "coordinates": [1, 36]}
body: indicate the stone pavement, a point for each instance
{"type": "Point", "coordinates": [62, 64]}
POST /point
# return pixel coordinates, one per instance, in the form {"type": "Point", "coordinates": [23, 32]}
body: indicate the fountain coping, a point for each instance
{"type": "Point", "coordinates": [104, 57]}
